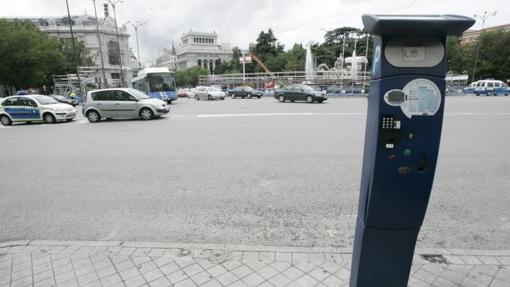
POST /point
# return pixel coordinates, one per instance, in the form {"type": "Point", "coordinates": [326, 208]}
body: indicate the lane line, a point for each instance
{"type": "Point", "coordinates": [202, 116]}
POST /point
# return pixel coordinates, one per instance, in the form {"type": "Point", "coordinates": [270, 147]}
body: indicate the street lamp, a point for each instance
{"type": "Point", "coordinates": [75, 58]}
{"type": "Point", "coordinates": [483, 18]}
{"type": "Point", "coordinates": [114, 3]}
{"type": "Point", "coordinates": [104, 82]}
{"type": "Point", "coordinates": [136, 26]}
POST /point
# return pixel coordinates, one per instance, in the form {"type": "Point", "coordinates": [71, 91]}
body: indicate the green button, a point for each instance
{"type": "Point", "coordinates": [408, 152]}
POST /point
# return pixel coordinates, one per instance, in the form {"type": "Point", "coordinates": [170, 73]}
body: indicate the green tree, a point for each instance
{"type": "Point", "coordinates": [295, 58]}
{"type": "Point", "coordinates": [79, 56]}
{"type": "Point", "coordinates": [28, 57]}
{"type": "Point", "coordinates": [269, 51]}
{"type": "Point", "coordinates": [190, 77]}
{"type": "Point", "coordinates": [494, 57]}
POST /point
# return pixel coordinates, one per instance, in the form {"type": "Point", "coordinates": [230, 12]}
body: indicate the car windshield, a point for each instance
{"type": "Point", "coordinates": [308, 88]}
{"type": "Point", "coordinates": [45, 100]}
{"type": "Point", "coordinates": [161, 82]}
{"type": "Point", "coordinates": [138, 94]}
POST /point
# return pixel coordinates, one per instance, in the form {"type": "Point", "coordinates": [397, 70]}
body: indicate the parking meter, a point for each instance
{"type": "Point", "coordinates": [403, 131]}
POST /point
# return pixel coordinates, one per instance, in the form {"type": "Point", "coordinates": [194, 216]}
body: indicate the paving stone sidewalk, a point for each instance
{"type": "Point", "coordinates": [131, 264]}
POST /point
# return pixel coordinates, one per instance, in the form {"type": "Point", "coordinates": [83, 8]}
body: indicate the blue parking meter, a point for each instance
{"type": "Point", "coordinates": [403, 131]}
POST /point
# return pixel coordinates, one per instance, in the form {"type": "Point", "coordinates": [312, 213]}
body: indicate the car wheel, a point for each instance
{"type": "Point", "coordinates": [248, 96]}
{"type": "Point", "coordinates": [49, 118]}
{"type": "Point", "coordinates": [5, 121]}
{"type": "Point", "coordinates": [197, 98]}
{"type": "Point", "coordinates": [281, 98]}
{"type": "Point", "coordinates": [259, 97]}
{"type": "Point", "coordinates": [309, 99]}
{"type": "Point", "coordinates": [233, 96]}
{"type": "Point", "coordinates": [146, 114]}
{"type": "Point", "coordinates": [320, 101]}
{"type": "Point", "coordinates": [209, 98]}
{"type": "Point", "coordinates": [222, 98]}
{"type": "Point", "coordinates": [93, 117]}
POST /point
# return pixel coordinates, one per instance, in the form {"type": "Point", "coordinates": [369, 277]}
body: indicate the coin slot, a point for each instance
{"type": "Point", "coordinates": [423, 165]}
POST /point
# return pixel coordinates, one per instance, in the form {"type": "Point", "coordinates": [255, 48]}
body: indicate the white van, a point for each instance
{"type": "Point", "coordinates": [488, 88]}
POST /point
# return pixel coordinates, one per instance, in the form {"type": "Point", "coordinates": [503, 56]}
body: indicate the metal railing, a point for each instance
{"type": "Point", "coordinates": [259, 79]}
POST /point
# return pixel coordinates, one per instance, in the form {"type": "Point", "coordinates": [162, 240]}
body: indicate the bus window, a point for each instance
{"type": "Point", "coordinates": [161, 82]}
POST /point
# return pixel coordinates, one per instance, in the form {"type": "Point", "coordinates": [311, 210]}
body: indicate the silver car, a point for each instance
{"type": "Point", "coordinates": [122, 104]}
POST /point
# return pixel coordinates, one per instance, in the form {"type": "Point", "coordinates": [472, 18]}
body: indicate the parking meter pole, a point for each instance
{"type": "Point", "coordinates": [403, 131]}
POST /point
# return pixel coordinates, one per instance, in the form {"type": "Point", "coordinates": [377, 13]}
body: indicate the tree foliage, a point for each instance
{"type": "Point", "coordinates": [190, 77]}
{"type": "Point", "coordinates": [29, 57]}
{"type": "Point", "coordinates": [493, 58]}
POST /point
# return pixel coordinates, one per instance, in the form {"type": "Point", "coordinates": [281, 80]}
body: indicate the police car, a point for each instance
{"type": "Point", "coordinates": [34, 108]}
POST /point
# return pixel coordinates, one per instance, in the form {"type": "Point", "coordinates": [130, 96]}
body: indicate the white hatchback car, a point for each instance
{"type": "Point", "coordinates": [122, 104]}
{"type": "Point", "coordinates": [209, 94]}
{"type": "Point", "coordinates": [34, 108]}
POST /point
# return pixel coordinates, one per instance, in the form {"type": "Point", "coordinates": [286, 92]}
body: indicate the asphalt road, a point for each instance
{"type": "Point", "coordinates": [253, 172]}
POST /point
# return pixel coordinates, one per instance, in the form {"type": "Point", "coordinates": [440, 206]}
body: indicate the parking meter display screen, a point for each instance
{"type": "Point", "coordinates": [423, 98]}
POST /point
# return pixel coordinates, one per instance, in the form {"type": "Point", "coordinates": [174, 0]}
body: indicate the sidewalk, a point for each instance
{"type": "Point", "coordinates": [130, 264]}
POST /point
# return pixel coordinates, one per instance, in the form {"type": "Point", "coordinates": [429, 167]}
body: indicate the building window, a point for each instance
{"type": "Point", "coordinates": [115, 76]}
{"type": "Point", "coordinates": [113, 53]}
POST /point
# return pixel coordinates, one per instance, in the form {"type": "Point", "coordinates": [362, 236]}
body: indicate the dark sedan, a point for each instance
{"type": "Point", "coordinates": [62, 99]}
{"type": "Point", "coordinates": [299, 93]}
{"type": "Point", "coordinates": [245, 92]}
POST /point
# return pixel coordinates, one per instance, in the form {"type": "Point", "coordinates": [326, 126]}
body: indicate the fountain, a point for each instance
{"type": "Point", "coordinates": [309, 66]}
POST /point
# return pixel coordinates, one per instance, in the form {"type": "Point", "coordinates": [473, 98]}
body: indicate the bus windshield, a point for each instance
{"type": "Point", "coordinates": [161, 82]}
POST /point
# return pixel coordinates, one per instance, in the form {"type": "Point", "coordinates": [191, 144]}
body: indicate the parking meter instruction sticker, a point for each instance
{"type": "Point", "coordinates": [423, 98]}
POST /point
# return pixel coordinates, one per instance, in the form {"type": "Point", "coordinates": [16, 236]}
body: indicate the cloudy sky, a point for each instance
{"type": "Point", "coordinates": [239, 21]}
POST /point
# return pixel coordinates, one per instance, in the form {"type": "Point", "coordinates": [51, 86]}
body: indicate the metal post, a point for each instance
{"type": "Point", "coordinates": [136, 26]}
{"type": "Point", "coordinates": [343, 62]}
{"type": "Point", "coordinates": [74, 46]}
{"type": "Point", "coordinates": [484, 18]}
{"type": "Point", "coordinates": [244, 67]}
{"type": "Point", "coordinates": [114, 3]}
{"type": "Point", "coordinates": [365, 68]}
{"type": "Point", "coordinates": [105, 81]}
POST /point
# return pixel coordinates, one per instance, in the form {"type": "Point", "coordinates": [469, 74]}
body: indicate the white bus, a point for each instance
{"type": "Point", "coordinates": [157, 83]}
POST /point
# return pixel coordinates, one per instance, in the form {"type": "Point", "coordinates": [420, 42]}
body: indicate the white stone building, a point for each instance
{"type": "Point", "coordinates": [167, 58]}
{"type": "Point", "coordinates": [201, 49]}
{"type": "Point", "coordinates": [84, 29]}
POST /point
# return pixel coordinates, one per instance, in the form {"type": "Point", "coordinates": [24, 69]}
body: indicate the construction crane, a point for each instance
{"type": "Point", "coordinates": [265, 68]}
{"type": "Point", "coordinates": [262, 65]}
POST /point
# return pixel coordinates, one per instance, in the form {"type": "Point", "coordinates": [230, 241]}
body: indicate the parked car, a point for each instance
{"type": "Point", "coordinates": [245, 92]}
{"type": "Point", "coordinates": [34, 108]}
{"type": "Point", "coordinates": [209, 94]}
{"type": "Point", "coordinates": [121, 104]}
{"type": "Point", "coordinates": [488, 88]}
{"type": "Point", "coordinates": [299, 92]}
{"type": "Point", "coordinates": [62, 99]}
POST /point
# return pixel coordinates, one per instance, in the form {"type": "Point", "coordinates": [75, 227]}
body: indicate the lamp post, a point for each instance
{"type": "Point", "coordinates": [104, 82]}
{"type": "Point", "coordinates": [136, 26]}
{"type": "Point", "coordinates": [114, 4]}
{"type": "Point", "coordinates": [483, 18]}
{"type": "Point", "coordinates": [74, 45]}
{"type": "Point", "coordinates": [366, 64]}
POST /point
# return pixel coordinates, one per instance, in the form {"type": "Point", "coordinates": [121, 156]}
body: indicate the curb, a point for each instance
{"type": "Point", "coordinates": [245, 248]}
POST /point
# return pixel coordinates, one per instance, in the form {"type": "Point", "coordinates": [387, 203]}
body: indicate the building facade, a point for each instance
{"type": "Point", "coordinates": [84, 29]}
{"type": "Point", "coordinates": [470, 36]}
{"type": "Point", "coordinates": [167, 58]}
{"type": "Point", "coordinates": [201, 49]}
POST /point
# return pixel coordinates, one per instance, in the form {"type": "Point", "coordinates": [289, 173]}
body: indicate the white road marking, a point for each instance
{"type": "Point", "coordinates": [272, 115]}
{"type": "Point", "coordinates": [203, 116]}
